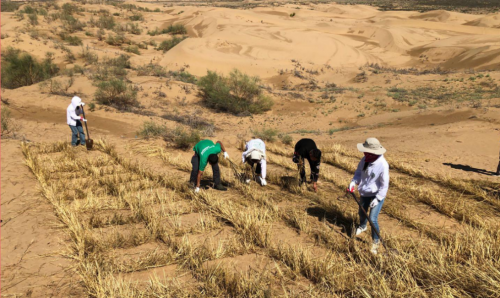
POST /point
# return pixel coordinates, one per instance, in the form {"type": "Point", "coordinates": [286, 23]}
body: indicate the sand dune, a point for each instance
{"type": "Point", "coordinates": [263, 41]}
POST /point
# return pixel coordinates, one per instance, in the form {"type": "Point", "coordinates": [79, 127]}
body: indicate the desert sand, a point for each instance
{"type": "Point", "coordinates": [327, 67]}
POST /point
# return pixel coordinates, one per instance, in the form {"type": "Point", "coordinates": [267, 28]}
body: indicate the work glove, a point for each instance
{"type": "Point", "coordinates": [84, 120]}
{"type": "Point", "coordinates": [263, 182]}
{"type": "Point", "coordinates": [351, 186]}
{"type": "Point", "coordinates": [226, 155]}
{"type": "Point", "coordinates": [374, 203]}
{"type": "Point", "coordinates": [197, 190]}
{"type": "Point", "coordinates": [82, 104]}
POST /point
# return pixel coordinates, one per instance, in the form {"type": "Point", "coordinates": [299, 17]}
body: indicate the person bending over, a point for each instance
{"type": "Point", "coordinates": [307, 149]}
{"type": "Point", "coordinates": [255, 153]}
{"type": "Point", "coordinates": [205, 152]}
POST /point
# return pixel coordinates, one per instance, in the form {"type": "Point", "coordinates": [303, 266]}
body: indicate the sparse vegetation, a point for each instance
{"type": "Point", "coordinates": [238, 93]}
{"type": "Point", "coordinates": [21, 69]}
{"type": "Point", "coordinates": [116, 93]}
{"type": "Point", "coordinates": [266, 134]}
{"type": "Point", "coordinates": [172, 29]}
{"type": "Point", "coordinates": [10, 6]}
{"type": "Point", "coordinates": [169, 44]}
{"type": "Point", "coordinates": [151, 129]}
{"type": "Point", "coordinates": [132, 49]}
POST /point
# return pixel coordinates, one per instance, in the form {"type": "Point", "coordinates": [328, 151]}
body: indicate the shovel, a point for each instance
{"type": "Point", "coordinates": [88, 141]}
{"type": "Point", "coordinates": [394, 251]}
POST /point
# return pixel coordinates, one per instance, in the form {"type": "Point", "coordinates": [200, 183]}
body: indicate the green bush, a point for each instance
{"type": "Point", "coordinates": [172, 29]}
{"type": "Point", "coordinates": [116, 93]}
{"type": "Point", "coordinates": [151, 70]}
{"type": "Point", "coordinates": [182, 138]}
{"type": "Point", "coordinates": [71, 24]}
{"type": "Point", "coordinates": [106, 22]}
{"type": "Point", "coordinates": [9, 6]}
{"type": "Point", "coordinates": [22, 69]}
{"type": "Point", "coordinates": [266, 134]}
{"type": "Point", "coordinates": [132, 49]}
{"type": "Point", "coordinates": [136, 17]}
{"type": "Point", "coordinates": [176, 29]}
{"type": "Point", "coordinates": [169, 44]}
{"type": "Point", "coordinates": [72, 40]}
{"type": "Point", "coordinates": [286, 139]}
{"type": "Point", "coordinates": [28, 9]}
{"type": "Point", "coordinates": [183, 76]}
{"type": "Point", "coordinates": [116, 40]}
{"type": "Point", "coordinates": [151, 129]}
{"type": "Point", "coordinates": [238, 93]}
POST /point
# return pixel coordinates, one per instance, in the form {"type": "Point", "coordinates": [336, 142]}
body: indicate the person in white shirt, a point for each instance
{"type": "Point", "coordinates": [372, 178]}
{"type": "Point", "coordinates": [255, 153]}
{"type": "Point", "coordinates": [75, 121]}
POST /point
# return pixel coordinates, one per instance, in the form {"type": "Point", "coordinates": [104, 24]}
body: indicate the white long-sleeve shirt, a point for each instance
{"type": "Point", "coordinates": [71, 115]}
{"type": "Point", "coordinates": [374, 182]}
{"type": "Point", "coordinates": [256, 144]}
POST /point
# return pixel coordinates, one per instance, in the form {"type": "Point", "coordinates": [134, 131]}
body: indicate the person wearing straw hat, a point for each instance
{"type": "Point", "coordinates": [372, 178]}
{"type": "Point", "coordinates": [255, 153]}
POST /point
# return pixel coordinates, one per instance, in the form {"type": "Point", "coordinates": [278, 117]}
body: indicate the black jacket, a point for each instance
{"type": "Point", "coordinates": [302, 149]}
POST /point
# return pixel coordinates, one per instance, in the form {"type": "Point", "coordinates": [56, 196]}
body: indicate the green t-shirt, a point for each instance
{"type": "Point", "coordinates": [203, 149]}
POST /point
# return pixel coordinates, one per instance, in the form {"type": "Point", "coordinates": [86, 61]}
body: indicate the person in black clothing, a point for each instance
{"type": "Point", "coordinates": [307, 149]}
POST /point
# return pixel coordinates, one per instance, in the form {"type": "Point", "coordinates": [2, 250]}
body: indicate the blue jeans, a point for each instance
{"type": "Point", "coordinates": [365, 202]}
{"type": "Point", "coordinates": [75, 131]}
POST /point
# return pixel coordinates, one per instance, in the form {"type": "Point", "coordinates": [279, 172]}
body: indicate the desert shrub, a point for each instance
{"type": "Point", "coordinates": [106, 22]}
{"type": "Point", "coordinates": [6, 120]}
{"type": "Point", "coordinates": [72, 40]}
{"type": "Point", "coordinates": [57, 87]}
{"type": "Point", "coordinates": [100, 34]}
{"type": "Point", "coordinates": [183, 138]}
{"type": "Point", "coordinates": [134, 29]}
{"type": "Point", "coordinates": [116, 93]}
{"type": "Point", "coordinates": [238, 93]}
{"type": "Point", "coordinates": [28, 9]}
{"type": "Point", "coordinates": [183, 76]}
{"type": "Point", "coordinates": [286, 139]}
{"type": "Point", "coordinates": [151, 70]}
{"type": "Point", "coordinates": [169, 44]}
{"type": "Point", "coordinates": [10, 6]}
{"type": "Point", "coordinates": [33, 19]}
{"type": "Point", "coordinates": [71, 24]}
{"type": "Point", "coordinates": [122, 61]}
{"type": "Point", "coordinates": [266, 134]}
{"type": "Point", "coordinates": [334, 130]}
{"type": "Point", "coordinates": [88, 56]}
{"type": "Point", "coordinates": [151, 129]}
{"type": "Point", "coordinates": [21, 69]}
{"type": "Point", "coordinates": [132, 49]}
{"type": "Point", "coordinates": [176, 29]}
{"type": "Point", "coordinates": [116, 40]}
{"type": "Point", "coordinates": [69, 8]}
{"type": "Point", "coordinates": [136, 17]}
{"type": "Point", "coordinates": [292, 14]}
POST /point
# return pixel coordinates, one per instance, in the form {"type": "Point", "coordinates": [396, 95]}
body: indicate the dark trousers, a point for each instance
{"type": "Point", "coordinates": [302, 169]}
{"type": "Point", "coordinates": [498, 167]}
{"type": "Point", "coordinates": [195, 162]}
{"type": "Point", "coordinates": [258, 169]}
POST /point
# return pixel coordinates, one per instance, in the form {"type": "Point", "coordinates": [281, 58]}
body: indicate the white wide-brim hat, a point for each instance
{"type": "Point", "coordinates": [371, 145]}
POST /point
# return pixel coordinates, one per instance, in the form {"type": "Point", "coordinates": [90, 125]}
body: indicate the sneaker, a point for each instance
{"type": "Point", "coordinates": [220, 187]}
{"type": "Point", "coordinates": [374, 249]}
{"type": "Point", "coordinates": [248, 181]}
{"type": "Point", "coordinates": [263, 182]}
{"type": "Point", "coordinates": [360, 230]}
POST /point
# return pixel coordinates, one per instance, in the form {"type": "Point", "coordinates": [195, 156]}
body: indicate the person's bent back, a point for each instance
{"type": "Point", "coordinates": [205, 152]}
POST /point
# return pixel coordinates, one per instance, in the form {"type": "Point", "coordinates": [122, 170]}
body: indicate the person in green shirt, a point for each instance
{"type": "Point", "coordinates": [206, 152]}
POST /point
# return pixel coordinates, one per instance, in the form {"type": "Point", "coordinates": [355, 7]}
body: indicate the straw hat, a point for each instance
{"type": "Point", "coordinates": [371, 145]}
